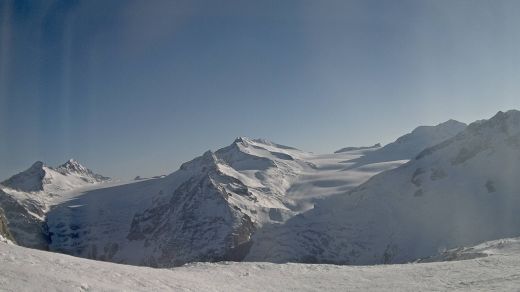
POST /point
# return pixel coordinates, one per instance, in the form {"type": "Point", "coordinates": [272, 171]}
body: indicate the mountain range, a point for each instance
{"type": "Point", "coordinates": [433, 189]}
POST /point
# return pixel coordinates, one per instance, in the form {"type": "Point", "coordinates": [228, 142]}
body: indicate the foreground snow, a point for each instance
{"type": "Point", "coordinates": [23, 269]}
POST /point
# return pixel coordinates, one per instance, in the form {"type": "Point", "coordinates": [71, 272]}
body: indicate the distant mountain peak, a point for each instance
{"type": "Point", "coordinates": [241, 139]}
{"type": "Point", "coordinates": [410, 145]}
{"type": "Point", "coordinates": [72, 165]}
{"type": "Point", "coordinates": [39, 177]}
{"type": "Point", "coordinates": [482, 135]}
{"type": "Point", "coordinates": [451, 123]}
{"type": "Point", "coordinates": [29, 180]}
{"type": "Point", "coordinates": [261, 142]}
{"type": "Point", "coordinates": [346, 149]}
{"type": "Point", "coordinates": [447, 128]}
{"type": "Point", "coordinates": [508, 121]}
{"type": "Point", "coordinates": [37, 165]}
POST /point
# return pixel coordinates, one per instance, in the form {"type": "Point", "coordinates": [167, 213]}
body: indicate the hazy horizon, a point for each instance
{"type": "Point", "coordinates": [139, 87]}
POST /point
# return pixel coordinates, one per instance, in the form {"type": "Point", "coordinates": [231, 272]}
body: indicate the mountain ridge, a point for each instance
{"type": "Point", "coordinates": [457, 193]}
{"type": "Point", "coordinates": [226, 204]}
{"type": "Point", "coordinates": [27, 197]}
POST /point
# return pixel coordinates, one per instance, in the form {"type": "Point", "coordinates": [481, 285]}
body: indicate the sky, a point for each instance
{"type": "Point", "coordinates": [138, 87]}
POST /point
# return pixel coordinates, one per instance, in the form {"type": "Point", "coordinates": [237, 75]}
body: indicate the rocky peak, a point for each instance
{"type": "Point", "coordinates": [29, 180]}
{"type": "Point", "coordinates": [507, 122]}
{"type": "Point", "coordinates": [201, 163]}
{"type": "Point", "coordinates": [72, 165]}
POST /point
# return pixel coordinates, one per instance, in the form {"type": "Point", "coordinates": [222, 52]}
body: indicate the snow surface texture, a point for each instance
{"type": "Point", "coordinates": [31, 270]}
{"type": "Point", "coordinates": [27, 197]}
{"type": "Point", "coordinates": [457, 193]}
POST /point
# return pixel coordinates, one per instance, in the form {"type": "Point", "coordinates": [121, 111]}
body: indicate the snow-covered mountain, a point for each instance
{"type": "Point", "coordinates": [72, 168]}
{"type": "Point", "coordinates": [205, 211]}
{"type": "Point", "coordinates": [40, 177]}
{"type": "Point", "coordinates": [208, 210]}
{"type": "Point", "coordinates": [460, 192]}
{"type": "Point", "coordinates": [27, 196]}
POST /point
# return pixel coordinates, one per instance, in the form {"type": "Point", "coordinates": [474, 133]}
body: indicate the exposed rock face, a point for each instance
{"type": "Point", "coordinates": [212, 215]}
{"type": "Point", "coordinates": [74, 168]}
{"type": "Point", "coordinates": [30, 180]}
{"type": "Point", "coordinates": [5, 234]}
{"type": "Point", "coordinates": [25, 227]}
{"type": "Point", "coordinates": [198, 223]}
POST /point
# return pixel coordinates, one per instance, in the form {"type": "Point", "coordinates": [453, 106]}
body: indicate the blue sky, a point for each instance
{"type": "Point", "coordinates": [138, 87]}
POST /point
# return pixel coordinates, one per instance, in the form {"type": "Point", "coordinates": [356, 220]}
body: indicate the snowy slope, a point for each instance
{"type": "Point", "coordinates": [24, 269]}
{"type": "Point", "coordinates": [457, 193]}
{"type": "Point", "coordinates": [27, 196]}
{"type": "Point", "coordinates": [488, 248]}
